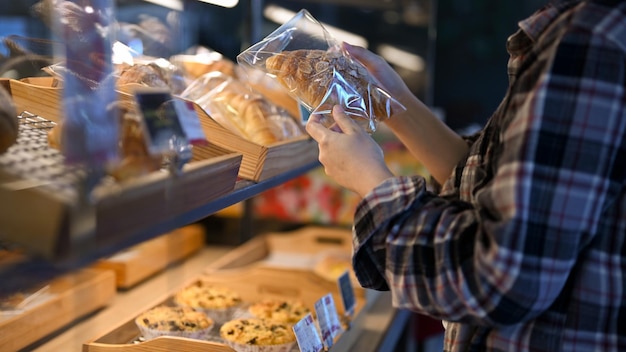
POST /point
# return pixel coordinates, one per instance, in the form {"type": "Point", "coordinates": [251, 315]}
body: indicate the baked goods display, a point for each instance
{"type": "Point", "coordinates": [174, 321]}
{"type": "Point", "coordinates": [255, 335]}
{"type": "Point", "coordinates": [8, 121]}
{"type": "Point", "coordinates": [218, 302]}
{"type": "Point", "coordinates": [278, 310]}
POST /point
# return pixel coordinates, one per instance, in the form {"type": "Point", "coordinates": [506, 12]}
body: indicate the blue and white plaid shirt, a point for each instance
{"type": "Point", "coordinates": [523, 249]}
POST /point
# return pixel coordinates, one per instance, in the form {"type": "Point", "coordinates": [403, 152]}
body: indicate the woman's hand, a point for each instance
{"type": "Point", "coordinates": [429, 139]}
{"type": "Point", "coordinates": [382, 72]}
{"type": "Point", "coordinates": [349, 155]}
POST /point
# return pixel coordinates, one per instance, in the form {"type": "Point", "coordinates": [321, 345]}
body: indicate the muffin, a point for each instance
{"type": "Point", "coordinates": [174, 321]}
{"type": "Point", "coordinates": [219, 303]}
{"type": "Point", "coordinates": [282, 311]}
{"type": "Point", "coordinates": [256, 335]}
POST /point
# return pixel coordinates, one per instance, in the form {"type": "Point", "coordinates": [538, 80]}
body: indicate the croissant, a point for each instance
{"type": "Point", "coordinates": [248, 114]}
{"type": "Point", "coordinates": [308, 74]}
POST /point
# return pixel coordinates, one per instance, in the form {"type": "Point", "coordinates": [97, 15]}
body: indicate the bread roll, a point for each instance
{"type": "Point", "coordinates": [8, 121]}
{"type": "Point", "coordinates": [308, 74]}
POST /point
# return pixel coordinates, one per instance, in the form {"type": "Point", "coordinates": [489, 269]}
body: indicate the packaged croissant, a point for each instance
{"type": "Point", "coordinates": [243, 111]}
{"type": "Point", "coordinates": [314, 68]}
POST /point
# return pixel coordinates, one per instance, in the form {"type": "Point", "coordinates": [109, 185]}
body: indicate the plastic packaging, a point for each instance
{"type": "Point", "coordinates": [243, 111]}
{"type": "Point", "coordinates": [311, 64]}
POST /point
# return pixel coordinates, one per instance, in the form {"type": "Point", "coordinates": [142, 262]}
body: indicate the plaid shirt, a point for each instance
{"type": "Point", "coordinates": [524, 246]}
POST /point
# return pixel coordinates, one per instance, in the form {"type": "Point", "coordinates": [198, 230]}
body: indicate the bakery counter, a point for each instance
{"type": "Point", "coordinates": [380, 326]}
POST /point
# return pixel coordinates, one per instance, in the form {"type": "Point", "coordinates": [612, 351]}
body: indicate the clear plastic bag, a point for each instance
{"type": "Point", "coordinates": [306, 60]}
{"type": "Point", "coordinates": [241, 110]}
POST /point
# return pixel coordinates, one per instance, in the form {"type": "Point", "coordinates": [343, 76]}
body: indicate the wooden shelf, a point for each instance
{"type": "Point", "coordinates": [31, 270]}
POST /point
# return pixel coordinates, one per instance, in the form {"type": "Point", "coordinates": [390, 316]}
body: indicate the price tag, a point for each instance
{"type": "Point", "coordinates": [190, 121]}
{"type": "Point", "coordinates": [347, 293]}
{"type": "Point", "coordinates": [328, 319]}
{"type": "Point", "coordinates": [307, 335]}
{"type": "Point", "coordinates": [160, 119]}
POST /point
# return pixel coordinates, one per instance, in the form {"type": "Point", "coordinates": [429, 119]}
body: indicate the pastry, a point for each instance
{"type": "Point", "coordinates": [282, 311]}
{"type": "Point", "coordinates": [251, 335]}
{"type": "Point", "coordinates": [217, 302]}
{"type": "Point", "coordinates": [174, 321]}
{"type": "Point", "coordinates": [248, 114]}
{"type": "Point", "coordinates": [8, 121]}
{"type": "Point", "coordinates": [149, 75]}
{"type": "Point", "coordinates": [310, 75]}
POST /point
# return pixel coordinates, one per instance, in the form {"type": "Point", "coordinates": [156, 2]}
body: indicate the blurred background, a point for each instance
{"type": "Point", "coordinates": [450, 52]}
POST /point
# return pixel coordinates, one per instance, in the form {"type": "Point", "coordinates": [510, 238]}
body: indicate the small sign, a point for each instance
{"type": "Point", "coordinates": [307, 336]}
{"type": "Point", "coordinates": [347, 293]}
{"type": "Point", "coordinates": [190, 121]}
{"type": "Point", "coordinates": [328, 319]}
{"type": "Point", "coordinates": [160, 120]}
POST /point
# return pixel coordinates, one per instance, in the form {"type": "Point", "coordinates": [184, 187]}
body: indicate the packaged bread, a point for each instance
{"type": "Point", "coordinates": [199, 60]}
{"type": "Point", "coordinates": [241, 110]}
{"type": "Point", "coordinates": [159, 73]}
{"type": "Point", "coordinates": [312, 66]}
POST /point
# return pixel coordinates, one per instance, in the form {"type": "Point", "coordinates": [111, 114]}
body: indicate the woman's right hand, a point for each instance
{"type": "Point", "coordinates": [381, 71]}
{"type": "Point", "coordinates": [429, 139]}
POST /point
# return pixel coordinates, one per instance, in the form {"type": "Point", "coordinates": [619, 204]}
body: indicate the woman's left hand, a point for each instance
{"type": "Point", "coordinates": [349, 155]}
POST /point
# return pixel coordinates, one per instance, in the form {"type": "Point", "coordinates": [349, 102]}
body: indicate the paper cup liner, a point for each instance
{"type": "Point", "coordinates": [149, 333]}
{"type": "Point", "coordinates": [242, 347]}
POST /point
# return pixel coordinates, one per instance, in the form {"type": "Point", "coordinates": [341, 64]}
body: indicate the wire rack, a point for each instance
{"type": "Point", "coordinates": [32, 160]}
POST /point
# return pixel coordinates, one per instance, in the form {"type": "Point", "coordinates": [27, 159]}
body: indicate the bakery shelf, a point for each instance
{"type": "Point", "coordinates": [40, 214]}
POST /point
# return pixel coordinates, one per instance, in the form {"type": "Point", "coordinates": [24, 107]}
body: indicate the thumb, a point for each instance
{"type": "Point", "coordinates": [315, 129]}
{"type": "Point", "coordinates": [343, 121]}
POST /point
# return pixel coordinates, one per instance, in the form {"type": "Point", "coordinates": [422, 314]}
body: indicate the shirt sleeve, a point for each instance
{"type": "Point", "coordinates": [505, 256]}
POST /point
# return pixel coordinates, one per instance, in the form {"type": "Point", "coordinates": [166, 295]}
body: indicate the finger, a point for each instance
{"type": "Point", "coordinates": [345, 123]}
{"type": "Point", "coordinates": [363, 55]}
{"type": "Point", "coordinates": [315, 129]}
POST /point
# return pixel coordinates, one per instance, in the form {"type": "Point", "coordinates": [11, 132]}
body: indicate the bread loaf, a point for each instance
{"type": "Point", "coordinates": [308, 74]}
{"type": "Point", "coordinates": [8, 121]}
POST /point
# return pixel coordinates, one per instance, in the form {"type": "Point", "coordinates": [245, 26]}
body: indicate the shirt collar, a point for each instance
{"type": "Point", "coordinates": [534, 25]}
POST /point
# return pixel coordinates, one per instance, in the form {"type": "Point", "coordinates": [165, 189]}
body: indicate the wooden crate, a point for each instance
{"type": "Point", "coordinates": [64, 300]}
{"type": "Point", "coordinates": [252, 283]}
{"type": "Point", "coordinates": [140, 262]}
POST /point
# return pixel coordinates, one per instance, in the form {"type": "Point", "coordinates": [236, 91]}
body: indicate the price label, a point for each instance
{"type": "Point", "coordinates": [190, 122]}
{"type": "Point", "coordinates": [307, 336]}
{"type": "Point", "coordinates": [347, 293]}
{"type": "Point", "coordinates": [328, 319]}
{"type": "Point", "coordinates": [160, 119]}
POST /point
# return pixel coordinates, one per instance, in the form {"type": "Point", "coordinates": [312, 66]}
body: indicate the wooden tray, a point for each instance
{"type": "Point", "coordinates": [139, 262]}
{"type": "Point", "coordinates": [253, 283]}
{"type": "Point", "coordinates": [40, 208]}
{"type": "Point", "coordinates": [40, 96]}
{"type": "Point", "coordinates": [308, 248]}
{"type": "Point", "coordinates": [37, 95]}
{"type": "Point", "coordinates": [66, 299]}
{"type": "Point", "coordinates": [260, 162]}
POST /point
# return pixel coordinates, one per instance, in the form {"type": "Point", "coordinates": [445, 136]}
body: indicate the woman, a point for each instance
{"type": "Point", "coordinates": [522, 248]}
